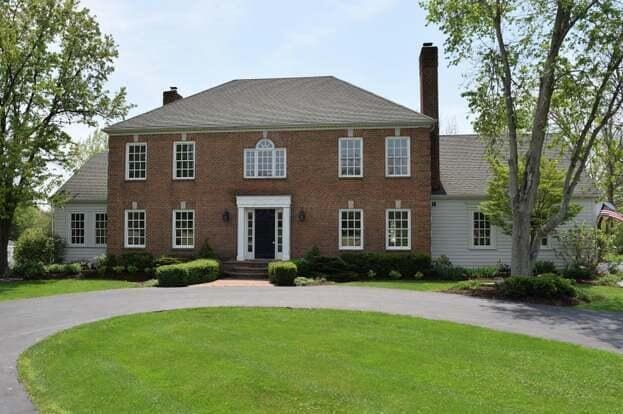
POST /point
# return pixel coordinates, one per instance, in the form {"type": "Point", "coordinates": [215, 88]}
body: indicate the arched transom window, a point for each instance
{"type": "Point", "coordinates": [265, 161]}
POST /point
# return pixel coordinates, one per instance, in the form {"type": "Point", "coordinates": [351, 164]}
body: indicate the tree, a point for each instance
{"type": "Point", "coordinates": [540, 67]}
{"type": "Point", "coordinates": [95, 143]}
{"type": "Point", "coordinates": [54, 63]}
{"type": "Point", "coordinates": [26, 217]}
{"type": "Point", "coordinates": [549, 195]}
{"type": "Point", "coordinates": [606, 166]}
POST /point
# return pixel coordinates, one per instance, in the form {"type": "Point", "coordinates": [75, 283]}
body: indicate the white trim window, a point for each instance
{"type": "Point", "coordinates": [482, 234]}
{"type": "Point", "coordinates": [101, 229]}
{"type": "Point", "coordinates": [265, 161]}
{"type": "Point", "coordinates": [546, 243]}
{"type": "Point", "coordinates": [77, 229]}
{"type": "Point", "coordinates": [183, 160]}
{"type": "Point", "coordinates": [135, 229]}
{"type": "Point", "coordinates": [183, 229]}
{"type": "Point", "coordinates": [351, 229]}
{"type": "Point", "coordinates": [350, 157]}
{"type": "Point", "coordinates": [136, 161]}
{"type": "Point", "coordinates": [398, 229]}
{"type": "Point", "coordinates": [398, 157]}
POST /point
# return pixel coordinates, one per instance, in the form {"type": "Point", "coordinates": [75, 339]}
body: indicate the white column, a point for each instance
{"type": "Point", "coordinates": [241, 238]}
{"type": "Point", "coordinates": [286, 234]}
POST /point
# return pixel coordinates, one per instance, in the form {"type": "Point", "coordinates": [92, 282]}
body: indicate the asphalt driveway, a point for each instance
{"type": "Point", "coordinates": [25, 322]}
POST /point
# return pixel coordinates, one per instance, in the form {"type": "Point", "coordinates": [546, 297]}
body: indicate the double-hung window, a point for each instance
{"type": "Point", "coordinates": [183, 229]}
{"type": "Point", "coordinates": [482, 236]}
{"type": "Point", "coordinates": [265, 161]}
{"type": "Point", "coordinates": [350, 157]}
{"type": "Point", "coordinates": [77, 228]}
{"type": "Point", "coordinates": [136, 161]}
{"type": "Point", "coordinates": [351, 229]}
{"type": "Point", "coordinates": [101, 229]}
{"type": "Point", "coordinates": [184, 160]}
{"type": "Point", "coordinates": [398, 229]}
{"type": "Point", "coordinates": [135, 227]}
{"type": "Point", "coordinates": [397, 156]}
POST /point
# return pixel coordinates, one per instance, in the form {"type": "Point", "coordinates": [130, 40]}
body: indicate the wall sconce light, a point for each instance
{"type": "Point", "coordinates": [302, 215]}
{"type": "Point", "coordinates": [226, 216]}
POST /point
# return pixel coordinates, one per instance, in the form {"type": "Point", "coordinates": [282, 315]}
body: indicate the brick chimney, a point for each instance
{"type": "Point", "coordinates": [429, 105]}
{"type": "Point", "coordinates": [170, 96]}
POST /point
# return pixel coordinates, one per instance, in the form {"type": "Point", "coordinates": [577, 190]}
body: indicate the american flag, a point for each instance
{"type": "Point", "coordinates": [607, 211]}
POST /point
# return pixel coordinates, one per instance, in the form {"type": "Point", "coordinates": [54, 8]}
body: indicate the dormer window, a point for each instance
{"type": "Point", "coordinates": [265, 161]}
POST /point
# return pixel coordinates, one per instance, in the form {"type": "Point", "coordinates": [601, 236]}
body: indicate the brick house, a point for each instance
{"type": "Point", "coordinates": [269, 168]}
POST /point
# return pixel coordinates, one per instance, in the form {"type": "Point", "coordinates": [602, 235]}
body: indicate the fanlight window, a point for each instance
{"type": "Point", "coordinates": [265, 161]}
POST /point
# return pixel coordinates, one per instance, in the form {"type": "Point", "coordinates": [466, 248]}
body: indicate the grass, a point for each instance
{"type": "Point", "coordinates": [286, 360]}
{"type": "Point", "coordinates": [420, 285]}
{"type": "Point", "coordinates": [35, 288]}
{"type": "Point", "coordinates": [604, 298]}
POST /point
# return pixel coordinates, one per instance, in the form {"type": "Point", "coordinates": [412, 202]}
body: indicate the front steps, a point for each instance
{"type": "Point", "coordinates": [249, 269]}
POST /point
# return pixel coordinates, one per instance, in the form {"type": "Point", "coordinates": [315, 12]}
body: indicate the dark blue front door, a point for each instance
{"type": "Point", "coordinates": [264, 234]}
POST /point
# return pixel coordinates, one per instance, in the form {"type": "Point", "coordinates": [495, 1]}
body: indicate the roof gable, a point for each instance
{"type": "Point", "coordinates": [90, 182]}
{"type": "Point", "coordinates": [275, 103]}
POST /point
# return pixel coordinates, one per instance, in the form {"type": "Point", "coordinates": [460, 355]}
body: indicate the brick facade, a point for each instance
{"type": "Point", "coordinates": [312, 181]}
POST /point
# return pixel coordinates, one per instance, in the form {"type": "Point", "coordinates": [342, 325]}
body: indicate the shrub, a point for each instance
{"type": "Point", "coordinates": [328, 265]}
{"type": "Point", "coordinates": [547, 286]}
{"type": "Point", "coordinates": [189, 273]}
{"type": "Point", "coordinates": [383, 263]}
{"type": "Point", "coordinates": [282, 273]}
{"type": "Point", "coordinates": [206, 251]}
{"type": "Point", "coordinates": [33, 245]}
{"type": "Point", "coordinates": [132, 269]}
{"type": "Point", "coordinates": [118, 269]}
{"type": "Point", "coordinates": [312, 253]}
{"type": "Point", "coordinates": [481, 272]}
{"type": "Point", "coordinates": [167, 260]}
{"type": "Point", "coordinates": [580, 247]}
{"type": "Point", "coordinates": [444, 269]}
{"type": "Point", "coordinates": [29, 270]}
{"type": "Point", "coordinates": [139, 260]}
{"type": "Point", "coordinates": [418, 276]}
{"type": "Point", "coordinates": [544, 266]}
{"type": "Point", "coordinates": [64, 268]}
{"type": "Point", "coordinates": [308, 281]}
{"type": "Point", "coordinates": [371, 274]}
{"type": "Point", "coordinates": [395, 274]}
{"type": "Point", "coordinates": [503, 270]}
{"type": "Point", "coordinates": [610, 280]}
{"type": "Point", "coordinates": [577, 272]}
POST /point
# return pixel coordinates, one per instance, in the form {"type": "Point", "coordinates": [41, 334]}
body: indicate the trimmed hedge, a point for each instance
{"type": "Point", "coordinates": [547, 286]}
{"type": "Point", "coordinates": [282, 273]}
{"type": "Point", "coordinates": [189, 273]}
{"type": "Point", "coordinates": [382, 264]}
{"type": "Point", "coordinates": [64, 268]}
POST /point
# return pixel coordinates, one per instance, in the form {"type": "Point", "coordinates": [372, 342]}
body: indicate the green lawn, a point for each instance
{"type": "Point", "coordinates": [35, 288]}
{"type": "Point", "coordinates": [421, 285]}
{"type": "Point", "coordinates": [286, 360]}
{"type": "Point", "coordinates": [604, 298]}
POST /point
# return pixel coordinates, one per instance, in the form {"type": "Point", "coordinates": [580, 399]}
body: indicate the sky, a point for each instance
{"type": "Point", "coordinates": [196, 45]}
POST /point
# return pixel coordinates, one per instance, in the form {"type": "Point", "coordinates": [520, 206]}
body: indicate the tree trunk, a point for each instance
{"type": "Point", "coordinates": [522, 257]}
{"type": "Point", "coordinates": [5, 226]}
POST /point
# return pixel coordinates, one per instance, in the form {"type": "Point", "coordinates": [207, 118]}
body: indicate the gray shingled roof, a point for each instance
{"type": "Point", "coordinates": [465, 171]}
{"type": "Point", "coordinates": [275, 103]}
{"type": "Point", "coordinates": [90, 182]}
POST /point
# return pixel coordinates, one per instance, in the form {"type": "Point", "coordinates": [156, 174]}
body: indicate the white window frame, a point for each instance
{"type": "Point", "coordinates": [95, 229]}
{"type": "Point", "coordinates": [548, 246]}
{"type": "Point", "coordinates": [256, 151]}
{"type": "Point", "coordinates": [491, 246]}
{"type": "Point", "coordinates": [70, 229]}
{"type": "Point", "coordinates": [125, 227]}
{"type": "Point", "coordinates": [339, 157]}
{"type": "Point", "coordinates": [339, 229]}
{"type": "Point", "coordinates": [175, 144]}
{"type": "Point", "coordinates": [127, 160]}
{"type": "Point", "coordinates": [174, 229]}
{"type": "Point", "coordinates": [408, 246]}
{"type": "Point", "coordinates": [387, 139]}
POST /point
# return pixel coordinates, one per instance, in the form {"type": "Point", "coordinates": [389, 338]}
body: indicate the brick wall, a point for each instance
{"type": "Point", "coordinates": [312, 181]}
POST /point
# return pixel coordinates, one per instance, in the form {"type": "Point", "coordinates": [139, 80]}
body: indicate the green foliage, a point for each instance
{"type": "Point", "coordinates": [118, 269]}
{"type": "Point", "coordinates": [167, 260]}
{"type": "Point", "coordinates": [444, 269]}
{"type": "Point", "coordinates": [312, 253]}
{"type": "Point", "coordinates": [577, 272]}
{"type": "Point", "coordinates": [133, 269]}
{"type": "Point", "coordinates": [308, 281]}
{"type": "Point", "coordinates": [139, 260]}
{"type": "Point", "coordinates": [395, 274]}
{"type": "Point", "coordinates": [94, 144]}
{"type": "Point", "coordinates": [481, 272]}
{"type": "Point", "coordinates": [548, 197]}
{"type": "Point", "coordinates": [547, 286]}
{"type": "Point", "coordinates": [206, 251]}
{"type": "Point", "coordinates": [609, 280]}
{"type": "Point", "coordinates": [282, 273]}
{"type": "Point", "coordinates": [36, 246]}
{"type": "Point", "coordinates": [64, 268]}
{"type": "Point", "coordinates": [29, 217]}
{"type": "Point", "coordinates": [29, 270]}
{"type": "Point", "coordinates": [580, 247]}
{"type": "Point", "coordinates": [407, 264]}
{"type": "Point", "coordinates": [544, 266]}
{"type": "Point", "coordinates": [189, 273]}
{"type": "Point", "coordinates": [55, 64]}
